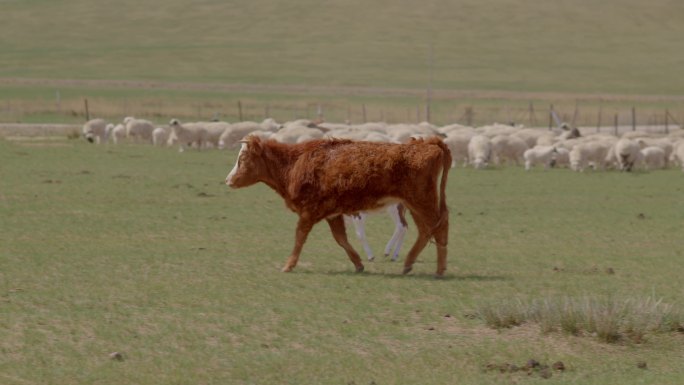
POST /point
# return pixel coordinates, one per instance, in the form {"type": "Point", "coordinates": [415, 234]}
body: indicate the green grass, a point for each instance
{"type": "Point", "coordinates": [145, 251]}
{"type": "Point", "coordinates": [577, 49]}
{"type": "Point", "coordinates": [577, 46]}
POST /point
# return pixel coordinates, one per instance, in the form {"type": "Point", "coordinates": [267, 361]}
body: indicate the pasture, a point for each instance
{"type": "Point", "coordinates": [498, 56]}
{"type": "Point", "coordinates": [145, 252]}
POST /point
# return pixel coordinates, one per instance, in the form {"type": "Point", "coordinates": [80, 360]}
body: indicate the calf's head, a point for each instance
{"type": "Point", "coordinates": [249, 165]}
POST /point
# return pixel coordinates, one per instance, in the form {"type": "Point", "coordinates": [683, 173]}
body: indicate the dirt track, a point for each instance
{"type": "Point", "coordinates": [331, 90]}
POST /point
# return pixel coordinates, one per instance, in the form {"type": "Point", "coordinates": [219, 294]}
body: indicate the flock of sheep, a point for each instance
{"type": "Point", "coordinates": [496, 144]}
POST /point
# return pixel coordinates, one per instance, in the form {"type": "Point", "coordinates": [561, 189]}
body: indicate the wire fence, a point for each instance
{"type": "Point", "coordinates": [603, 118]}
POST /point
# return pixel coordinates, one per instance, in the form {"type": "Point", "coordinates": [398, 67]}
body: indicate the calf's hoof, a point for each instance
{"type": "Point", "coordinates": [359, 269]}
{"type": "Point", "coordinates": [407, 269]}
{"type": "Point", "coordinates": [286, 269]}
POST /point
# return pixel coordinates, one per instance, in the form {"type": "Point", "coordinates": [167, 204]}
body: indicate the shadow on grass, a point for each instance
{"type": "Point", "coordinates": [414, 276]}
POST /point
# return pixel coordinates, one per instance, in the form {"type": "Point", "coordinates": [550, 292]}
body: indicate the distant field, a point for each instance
{"type": "Point", "coordinates": [144, 251]}
{"type": "Point", "coordinates": [582, 49]}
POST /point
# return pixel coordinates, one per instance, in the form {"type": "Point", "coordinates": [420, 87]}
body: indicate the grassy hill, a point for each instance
{"type": "Point", "coordinates": [580, 46]}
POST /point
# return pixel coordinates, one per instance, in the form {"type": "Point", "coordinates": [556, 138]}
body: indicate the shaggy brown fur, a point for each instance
{"type": "Point", "coordinates": [323, 179]}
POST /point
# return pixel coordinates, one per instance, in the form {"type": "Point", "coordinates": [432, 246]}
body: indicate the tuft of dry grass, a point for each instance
{"type": "Point", "coordinates": [610, 320]}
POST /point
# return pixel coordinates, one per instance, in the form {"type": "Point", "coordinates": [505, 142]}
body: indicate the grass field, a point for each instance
{"type": "Point", "coordinates": [145, 252]}
{"type": "Point", "coordinates": [576, 50]}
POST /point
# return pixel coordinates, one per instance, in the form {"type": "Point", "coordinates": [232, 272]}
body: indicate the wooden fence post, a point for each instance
{"type": "Point", "coordinates": [550, 117]}
{"type": "Point", "coordinates": [532, 118]}
{"type": "Point", "coordinates": [616, 124]}
{"type": "Point", "coordinates": [667, 116]}
{"type": "Point", "coordinates": [87, 112]}
{"type": "Point", "coordinates": [633, 119]}
{"type": "Point", "coordinates": [469, 116]}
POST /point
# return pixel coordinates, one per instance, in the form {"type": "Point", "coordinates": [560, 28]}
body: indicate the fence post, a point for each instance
{"type": "Point", "coordinates": [616, 124]}
{"type": "Point", "coordinates": [633, 119]}
{"type": "Point", "coordinates": [600, 113]}
{"type": "Point", "coordinates": [87, 112]}
{"type": "Point", "coordinates": [550, 117]}
{"type": "Point", "coordinates": [532, 118]}
{"type": "Point", "coordinates": [469, 116]}
{"type": "Point", "coordinates": [667, 117]}
{"type": "Point", "coordinates": [239, 105]}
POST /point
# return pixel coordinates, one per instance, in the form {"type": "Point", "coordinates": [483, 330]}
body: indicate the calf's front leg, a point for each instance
{"type": "Point", "coordinates": [304, 226]}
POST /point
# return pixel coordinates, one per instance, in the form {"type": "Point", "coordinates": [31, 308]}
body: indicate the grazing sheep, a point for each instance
{"type": "Point", "coordinates": [561, 158]}
{"type": "Point", "coordinates": [530, 135]}
{"type": "Point", "coordinates": [214, 131]}
{"type": "Point", "coordinates": [479, 151]}
{"type": "Point", "coordinates": [589, 153]}
{"type": "Point", "coordinates": [95, 131]}
{"type": "Point", "coordinates": [188, 134]}
{"type": "Point", "coordinates": [263, 135]}
{"type": "Point", "coordinates": [678, 153]}
{"type": "Point", "coordinates": [652, 157]}
{"type": "Point", "coordinates": [664, 143]}
{"type": "Point", "coordinates": [138, 129]}
{"type": "Point", "coordinates": [506, 148]}
{"type": "Point", "coordinates": [297, 134]}
{"type": "Point", "coordinates": [458, 145]}
{"type": "Point", "coordinates": [231, 136]}
{"type": "Point", "coordinates": [117, 133]}
{"type": "Point", "coordinates": [539, 155]}
{"type": "Point", "coordinates": [627, 153]}
{"type": "Point", "coordinates": [160, 136]}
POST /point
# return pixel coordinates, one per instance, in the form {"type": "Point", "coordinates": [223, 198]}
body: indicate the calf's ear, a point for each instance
{"type": "Point", "coordinates": [254, 144]}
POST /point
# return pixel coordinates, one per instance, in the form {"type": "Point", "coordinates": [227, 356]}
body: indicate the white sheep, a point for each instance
{"type": "Point", "coordinates": [665, 143]}
{"type": "Point", "coordinates": [458, 141]}
{"type": "Point", "coordinates": [297, 134]}
{"type": "Point", "coordinates": [479, 151]}
{"type": "Point", "coordinates": [678, 154]}
{"type": "Point", "coordinates": [231, 136]}
{"type": "Point", "coordinates": [188, 134]}
{"type": "Point", "coordinates": [561, 158]}
{"type": "Point", "coordinates": [507, 148]}
{"type": "Point", "coordinates": [138, 129]}
{"type": "Point", "coordinates": [160, 136]}
{"type": "Point", "coordinates": [589, 153]}
{"type": "Point", "coordinates": [214, 130]}
{"type": "Point", "coordinates": [627, 153]}
{"type": "Point", "coordinates": [530, 135]}
{"type": "Point", "coordinates": [652, 157]}
{"type": "Point", "coordinates": [117, 133]}
{"type": "Point", "coordinates": [539, 155]}
{"type": "Point", "coordinates": [95, 131]}
{"type": "Point", "coordinates": [263, 135]}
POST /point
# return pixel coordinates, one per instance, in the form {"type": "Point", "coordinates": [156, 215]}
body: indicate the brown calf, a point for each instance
{"type": "Point", "coordinates": [324, 179]}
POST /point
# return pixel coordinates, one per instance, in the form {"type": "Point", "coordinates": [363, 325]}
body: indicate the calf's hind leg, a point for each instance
{"type": "Point", "coordinates": [441, 234]}
{"type": "Point", "coordinates": [339, 232]}
{"type": "Point", "coordinates": [419, 245]}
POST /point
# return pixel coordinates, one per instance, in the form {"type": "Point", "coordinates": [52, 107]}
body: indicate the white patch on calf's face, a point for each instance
{"type": "Point", "coordinates": [231, 175]}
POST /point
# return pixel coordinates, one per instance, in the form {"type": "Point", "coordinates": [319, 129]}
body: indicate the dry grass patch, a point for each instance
{"type": "Point", "coordinates": [608, 319]}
